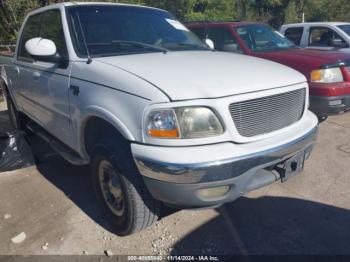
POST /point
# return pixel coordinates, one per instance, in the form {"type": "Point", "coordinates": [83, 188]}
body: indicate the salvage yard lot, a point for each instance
{"type": "Point", "coordinates": [53, 204]}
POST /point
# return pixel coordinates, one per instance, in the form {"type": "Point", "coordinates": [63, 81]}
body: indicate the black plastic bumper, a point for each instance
{"type": "Point", "coordinates": [324, 106]}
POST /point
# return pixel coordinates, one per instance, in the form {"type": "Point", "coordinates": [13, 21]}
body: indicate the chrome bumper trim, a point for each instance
{"type": "Point", "coordinates": [225, 169]}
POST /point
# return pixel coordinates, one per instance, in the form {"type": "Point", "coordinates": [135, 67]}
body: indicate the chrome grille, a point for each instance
{"type": "Point", "coordinates": [267, 114]}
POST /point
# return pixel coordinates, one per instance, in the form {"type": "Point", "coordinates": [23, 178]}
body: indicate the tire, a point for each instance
{"type": "Point", "coordinates": [126, 202]}
{"type": "Point", "coordinates": [16, 118]}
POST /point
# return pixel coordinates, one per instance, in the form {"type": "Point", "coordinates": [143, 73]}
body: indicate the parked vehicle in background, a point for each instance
{"type": "Point", "coordinates": [320, 35]}
{"type": "Point", "coordinates": [161, 118]}
{"type": "Point", "coordinates": [328, 73]}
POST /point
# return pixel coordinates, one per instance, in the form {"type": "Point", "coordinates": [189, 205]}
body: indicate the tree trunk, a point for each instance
{"type": "Point", "coordinates": [242, 9]}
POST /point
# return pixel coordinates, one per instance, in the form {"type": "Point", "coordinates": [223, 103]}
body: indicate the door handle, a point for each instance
{"type": "Point", "coordinates": [17, 70]}
{"type": "Point", "coordinates": [75, 90]}
{"type": "Point", "coordinates": [36, 75]}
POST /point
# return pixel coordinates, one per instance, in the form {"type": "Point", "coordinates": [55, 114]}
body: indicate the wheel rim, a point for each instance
{"type": "Point", "coordinates": [111, 188]}
{"type": "Point", "coordinates": [13, 115]}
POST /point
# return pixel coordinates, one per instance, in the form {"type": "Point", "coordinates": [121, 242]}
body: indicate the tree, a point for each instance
{"type": "Point", "coordinates": [271, 11]}
{"type": "Point", "coordinates": [323, 10]}
{"type": "Point", "coordinates": [274, 12]}
{"type": "Point", "coordinates": [241, 6]}
{"type": "Point", "coordinates": [12, 13]}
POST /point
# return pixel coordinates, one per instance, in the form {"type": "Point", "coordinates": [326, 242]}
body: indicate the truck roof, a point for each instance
{"type": "Point", "coordinates": [67, 4]}
{"type": "Point", "coordinates": [316, 23]}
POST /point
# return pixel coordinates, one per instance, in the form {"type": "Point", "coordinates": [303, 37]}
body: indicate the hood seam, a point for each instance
{"type": "Point", "coordinates": [134, 74]}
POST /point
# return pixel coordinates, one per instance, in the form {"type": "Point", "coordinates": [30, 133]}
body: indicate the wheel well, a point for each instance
{"type": "Point", "coordinates": [3, 88]}
{"type": "Point", "coordinates": [97, 128]}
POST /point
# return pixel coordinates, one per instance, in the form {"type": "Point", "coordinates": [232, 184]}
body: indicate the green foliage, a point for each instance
{"type": "Point", "coordinates": [274, 12]}
{"type": "Point", "coordinates": [12, 13]}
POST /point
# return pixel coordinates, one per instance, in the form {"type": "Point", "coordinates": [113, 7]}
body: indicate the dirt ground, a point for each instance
{"type": "Point", "coordinates": [53, 204]}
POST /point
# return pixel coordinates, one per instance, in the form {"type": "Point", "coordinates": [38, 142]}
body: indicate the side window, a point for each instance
{"type": "Point", "coordinates": [31, 30]}
{"type": "Point", "coordinates": [325, 37]}
{"type": "Point", "coordinates": [224, 40]}
{"type": "Point", "coordinates": [51, 28]}
{"type": "Point", "coordinates": [294, 34]}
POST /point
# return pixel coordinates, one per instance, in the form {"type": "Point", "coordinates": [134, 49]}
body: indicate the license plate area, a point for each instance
{"type": "Point", "coordinates": [291, 166]}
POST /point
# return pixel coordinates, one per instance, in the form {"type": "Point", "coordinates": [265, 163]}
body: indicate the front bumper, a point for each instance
{"type": "Point", "coordinates": [333, 105]}
{"type": "Point", "coordinates": [180, 184]}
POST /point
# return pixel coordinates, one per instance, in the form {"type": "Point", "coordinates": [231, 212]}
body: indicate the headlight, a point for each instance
{"type": "Point", "coordinates": [330, 75]}
{"type": "Point", "coordinates": [184, 122]}
{"type": "Point", "coordinates": [162, 124]}
{"type": "Point", "coordinates": [196, 122]}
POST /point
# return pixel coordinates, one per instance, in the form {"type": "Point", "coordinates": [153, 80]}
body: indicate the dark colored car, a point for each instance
{"type": "Point", "coordinates": [328, 72]}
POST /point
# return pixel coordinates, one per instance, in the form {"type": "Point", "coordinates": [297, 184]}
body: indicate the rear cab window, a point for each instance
{"type": "Point", "coordinates": [30, 30]}
{"type": "Point", "coordinates": [294, 34]}
{"type": "Point", "coordinates": [47, 25]}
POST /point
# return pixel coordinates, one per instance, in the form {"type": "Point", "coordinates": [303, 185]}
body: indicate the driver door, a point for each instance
{"type": "Point", "coordinates": [47, 84]}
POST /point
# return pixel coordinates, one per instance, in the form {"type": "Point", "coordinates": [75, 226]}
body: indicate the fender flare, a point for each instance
{"type": "Point", "coordinates": [7, 92]}
{"type": "Point", "coordinates": [99, 112]}
{"type": "Point", "coordinates": [4, 87]}
{"type": "Point", "coordinates": [3, 76]}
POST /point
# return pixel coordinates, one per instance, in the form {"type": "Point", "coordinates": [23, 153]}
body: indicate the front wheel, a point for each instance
{"type": "Point", "coordinates": [123, 196]}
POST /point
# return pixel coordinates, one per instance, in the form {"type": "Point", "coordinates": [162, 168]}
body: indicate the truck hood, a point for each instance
{"type": "Point", "coordinates": [203, 74]}
{"type": "Point", "coordinates": [300, 57]}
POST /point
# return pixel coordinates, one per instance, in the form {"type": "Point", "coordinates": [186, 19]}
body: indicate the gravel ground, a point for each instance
{"type": "Point", "coordinates": [53, 206]}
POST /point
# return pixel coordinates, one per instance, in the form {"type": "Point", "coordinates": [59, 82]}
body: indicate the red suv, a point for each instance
{"type": "Point", "coordinates": [328, 72]}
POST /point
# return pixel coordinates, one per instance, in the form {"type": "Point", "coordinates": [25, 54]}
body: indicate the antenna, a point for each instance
{"type": "Point", "coordinates": [86, 46]}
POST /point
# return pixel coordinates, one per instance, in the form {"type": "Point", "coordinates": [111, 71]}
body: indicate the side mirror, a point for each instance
{"type": "Point", "coordinates": [210, 43]}
{"type": "Point", "coordinates": [339, 43]}
{"type": "Point", "coordinates": [44, 50]}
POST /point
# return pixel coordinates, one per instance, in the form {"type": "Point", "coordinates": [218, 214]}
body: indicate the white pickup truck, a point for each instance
{"type": "Point", "coordinates": [160, 117]}
{"type": "Point", "coordinates": [319, 35]}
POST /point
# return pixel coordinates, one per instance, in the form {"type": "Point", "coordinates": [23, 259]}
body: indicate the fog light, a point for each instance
{"type": "Point", "coordinates": [213, 192]}
{"type": "Point", "coordinates": [335, 102]}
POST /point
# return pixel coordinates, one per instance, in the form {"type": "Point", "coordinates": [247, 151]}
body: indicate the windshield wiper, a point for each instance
{"type": "Point", "coordinates": [140, 45]}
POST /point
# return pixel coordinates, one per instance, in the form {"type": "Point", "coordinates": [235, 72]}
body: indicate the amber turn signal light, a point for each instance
{"type": "Point", "coordinates": [173, 133]}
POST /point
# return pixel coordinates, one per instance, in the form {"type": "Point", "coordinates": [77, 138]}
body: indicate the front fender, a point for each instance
{"type": "Point", "coordinates": [97, 111]}
{"type": "Point", "coordinates": [102, 113]}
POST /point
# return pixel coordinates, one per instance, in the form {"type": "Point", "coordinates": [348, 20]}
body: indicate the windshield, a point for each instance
{"type": "Point", "coordinates": [345, 28]}
{"type": "Point", "coordinates": [263, 38]}
{"type": "Point", "coordinates": [119, 30]}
